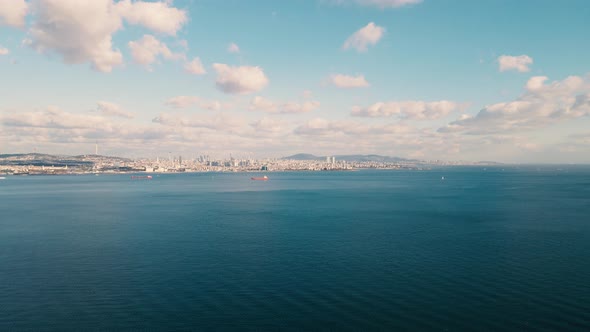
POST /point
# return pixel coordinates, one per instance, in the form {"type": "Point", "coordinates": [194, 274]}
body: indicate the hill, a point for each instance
{"type": "Point", "coordinates": [40, 159]}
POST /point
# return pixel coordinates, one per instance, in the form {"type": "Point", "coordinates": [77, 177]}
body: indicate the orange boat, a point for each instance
{"type": "Point", "coordinates": [260, 178]}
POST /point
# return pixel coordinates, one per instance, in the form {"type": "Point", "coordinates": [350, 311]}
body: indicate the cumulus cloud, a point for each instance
{"type": "Point", "coordinates": [519, 63]}
{"type": "Point", "coordinates": [269, 125]}
{"type": "Point", "coordinates": [13, 12]}
{"type": "Point", "coordinates": [52, 117]}
{"type": "Point", "coordinates": [262, 104]}
{"type": "Point", "coordinates": [233, 48]}
{"type": "Point", "coordinates": [411, 110]}
{"type": "Point", "coordinates": [219, 122]}
{"type": "Point", "coordinates": [324, 127]}
{"type": "Point", "coordinates": [195, 67]}
{"type": "Point", "coordinates": [265, 105]}
{"type": "Point", "coordinates": [182, 101]}
{"type": "Point", "coordinates": [148, 49]}
{"type": "Point", "coordinates": [51, 128]}
{"type": "Point", "coordinates": [292, 107]}
{"type": "Point", "coordinates": [82, 31]}
{"type": "Point", "coordinates": [366, 36]}
{"type": "Point", "coordinates": [111, 109]}
{"type": "Point", "coordinates": [188, 101]}
{"type": "Point", "coordinates": [541, 104]}
{"type": "Point", "coordinates": [4, 51]}
{"type": "Point", "coordinates": [346, 81]}
{"type": "Point", "coordinates": [156, 16]}
{"type": "Point", "coordinates": [536, 82]}
{"type": "Point", "coordinates": [239, 80]}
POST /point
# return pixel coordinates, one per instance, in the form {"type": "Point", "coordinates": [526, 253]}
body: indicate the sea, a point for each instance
{"type": "Point", "coordinates": [502, 248]}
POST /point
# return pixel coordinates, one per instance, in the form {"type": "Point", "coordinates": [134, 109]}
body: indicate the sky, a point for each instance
{"type": "Point", "coordinates": [490, 80]}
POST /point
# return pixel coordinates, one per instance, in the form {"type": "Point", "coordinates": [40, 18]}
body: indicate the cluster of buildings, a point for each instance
{"type": "Point", "coordinates": [47, 164]}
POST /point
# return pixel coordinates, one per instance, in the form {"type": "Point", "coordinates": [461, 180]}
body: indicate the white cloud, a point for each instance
{"type": "Point", "coordinates": [195, 67]}
{"type": "Point", "coordinates": [146, 50]}
{"type": "Point", "coordinates": [267, 124]}
{"type": "Point", "coordinates": [4, 51]}
{"type": "Point", "coordinates": [52, 117]}
{"type": "Point", "coordinates": [156, 16]}
{"type": "Point", "coordinates": [110, 109]}
{"type": "Point", "coordinates": [220, 122]}
{"type": "Point", "coordinates": [262, 104]}
{"type": "Point", "coordinates": [318, 126]}
{"type": "Point", "coordinates": [411, 110]}
{"type": "Point", "coordinates": [233, 48]}
{"type": "Point", "coordinates": [58, 130]}
{"type": "Point", "coordinates": [346, 81]}
{"type": "Point", "coordinates": [54, 131]}
{"type": "Point", "coordinates": [82, 31]}
{"type": "Point", "coordinates": [188, 101]}
{"type": "Point", "coordinates": [536, 82]}
{"type": "Point", "coordinates": [304, 107]}
{"type": "Point", "coordinates": [519, 63]}
{"type": "Point", "coordinates": [352, 129]}
{"type": "Point", "coordinates": [182, 101]}
{"type": "Point", "coordinates": [540, 105]}
{"type": "Point", "coordinates": [52, 128]}
{"type": "Point", "coordinates": [13, 12]}
{"type": "Point", "coordinates": [239, 80]}
{"type": "Point", "coordinates": [222, 133]}
{"type": "Point", "coordinates": [366, 36]}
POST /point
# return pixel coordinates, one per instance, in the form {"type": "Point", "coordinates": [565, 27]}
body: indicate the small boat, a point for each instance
{"type": "Point", "coordinates": [259, 178]}
{"type": "Point", "coordinates": [2, 178]}
{"type": "Point", "coordinates": [138, 177]}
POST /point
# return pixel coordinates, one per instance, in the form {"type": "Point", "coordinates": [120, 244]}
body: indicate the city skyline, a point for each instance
{"type": "Point", "coordinates": [421, 79]}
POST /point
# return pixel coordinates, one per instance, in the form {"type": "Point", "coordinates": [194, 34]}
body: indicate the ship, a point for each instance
{"type": "Point", "coordinates": [259, 178]}
{"type": "Point", "coordinates": [138, 177]}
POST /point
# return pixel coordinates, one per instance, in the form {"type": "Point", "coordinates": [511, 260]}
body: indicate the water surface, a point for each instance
{"type": "Point", "coordinates": [486, 249]}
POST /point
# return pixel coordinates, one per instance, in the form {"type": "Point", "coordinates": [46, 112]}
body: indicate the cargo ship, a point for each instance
{"type": "Point", "coordinates": [259, 178]}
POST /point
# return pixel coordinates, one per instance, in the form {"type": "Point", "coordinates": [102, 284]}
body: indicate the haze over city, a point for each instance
{"type": "Point", "coordinates": [452, 80]}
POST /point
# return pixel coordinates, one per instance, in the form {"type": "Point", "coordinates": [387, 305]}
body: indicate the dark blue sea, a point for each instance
{"type": "Point", "coordinates": [496, 248]}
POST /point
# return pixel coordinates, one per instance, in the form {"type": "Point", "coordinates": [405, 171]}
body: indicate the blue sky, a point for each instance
{"type": "Point", "coordinates": [432, 79]}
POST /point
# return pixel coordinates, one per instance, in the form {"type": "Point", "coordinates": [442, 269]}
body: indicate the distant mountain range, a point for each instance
{"type": "Point", "coordinates": [350, 158]}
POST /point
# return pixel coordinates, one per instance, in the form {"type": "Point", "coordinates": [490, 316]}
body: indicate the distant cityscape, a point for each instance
{"type": "Point", "coordinates": [45, 164]}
